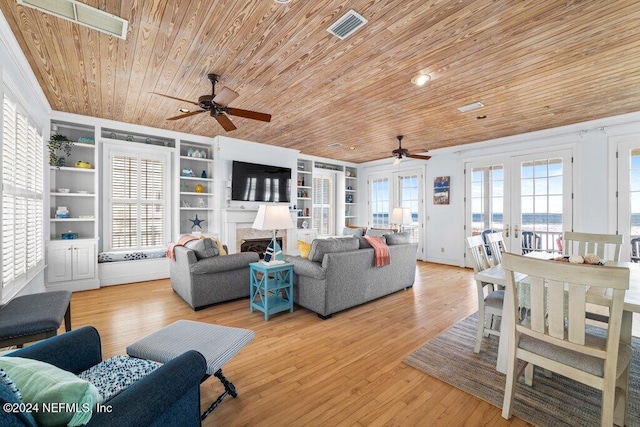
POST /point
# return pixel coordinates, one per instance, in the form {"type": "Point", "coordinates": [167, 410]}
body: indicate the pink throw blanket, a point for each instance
{"type": "Point", "coordinates": [183, 240]}
{"type": "Point", "coordinates": [380, 250]}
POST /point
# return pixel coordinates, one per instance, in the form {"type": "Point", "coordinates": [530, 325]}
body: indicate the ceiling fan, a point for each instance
{"type": "Point", "coordinates": [400, 153]}
{"type": "Point", "coordinates": [217, 106]}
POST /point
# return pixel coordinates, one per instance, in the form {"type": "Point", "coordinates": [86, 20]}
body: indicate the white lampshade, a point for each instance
{"type": "Point", "coordinates": [401, 216]}
{"type": "Point", "coordinates": [273, 217]}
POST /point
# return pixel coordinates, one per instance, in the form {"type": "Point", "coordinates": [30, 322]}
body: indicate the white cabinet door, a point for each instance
{"type": "Point", "coordinates": [59, 263]}
{"type": "Point", "coordinates": [83, 261]}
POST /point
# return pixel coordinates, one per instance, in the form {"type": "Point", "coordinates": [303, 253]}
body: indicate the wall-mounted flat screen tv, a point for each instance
{"type": "Point", "coordinates": [253, 182]}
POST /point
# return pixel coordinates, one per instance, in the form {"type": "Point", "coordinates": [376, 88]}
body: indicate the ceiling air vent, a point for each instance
{"type": "Point", "coordinates": [334, 145]}
{"type": "Point", "coordinates": [82, 14]}
{"type": "Point", "coordinates": [347, 25]}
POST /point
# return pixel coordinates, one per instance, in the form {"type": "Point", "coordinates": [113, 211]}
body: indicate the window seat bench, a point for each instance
{"type": "Point", "coordinates": [118, 267]}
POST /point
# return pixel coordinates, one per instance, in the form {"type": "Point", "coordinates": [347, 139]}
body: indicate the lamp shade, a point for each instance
{"type": "Point", "coordinates": [273, 217]}
{"type": "Point", "coordinates": [401, 216]}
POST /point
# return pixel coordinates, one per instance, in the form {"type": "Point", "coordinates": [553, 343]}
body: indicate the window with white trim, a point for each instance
{"type": "Point", "coordinates": [324, 202]}
{"type": "Point", "coordinates": [22, 198]}
{"type": "Point", "coordinates": [137, 214]}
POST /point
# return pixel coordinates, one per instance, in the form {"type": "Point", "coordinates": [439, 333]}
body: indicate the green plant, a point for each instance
{"type": "Point", "coordinates": [58, 142]}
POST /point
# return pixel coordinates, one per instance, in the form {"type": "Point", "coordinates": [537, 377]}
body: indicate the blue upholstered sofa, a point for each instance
{"type": "Point", "coordinates": [169, 396]}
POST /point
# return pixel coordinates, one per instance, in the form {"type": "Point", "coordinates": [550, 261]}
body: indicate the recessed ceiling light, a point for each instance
{"type": "Point", "coordinates": [334, 145]}
{"type": "Point", "coordinates": [352, 148]}
{"type": "Point", "coordinates": [185, 110]}
{"type": "Point", "coordinates": [470, 107]}
{"type": "Point", "coordinates": [282, 1]}
{"type": "Point", "coordinates": [420, 79]}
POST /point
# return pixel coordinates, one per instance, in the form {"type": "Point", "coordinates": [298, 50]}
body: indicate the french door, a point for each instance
{"type": "Point", "coordinates": [398, 189]}
{"type": "Point", "coordinates": [526, 197]}
{"type": "Point", "coordinates": [629, 196]}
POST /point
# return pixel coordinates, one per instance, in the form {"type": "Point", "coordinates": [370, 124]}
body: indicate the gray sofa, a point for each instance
{"type": "Point", "coordinates": [339, 275]}
{"type": "Point", "coordinates": [201, 276]}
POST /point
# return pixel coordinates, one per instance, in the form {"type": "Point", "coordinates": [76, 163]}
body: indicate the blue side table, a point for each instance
{"type": "Point", "coordinates": [271, 288]}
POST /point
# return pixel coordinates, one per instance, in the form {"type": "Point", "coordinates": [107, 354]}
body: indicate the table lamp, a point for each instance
{"type": "Point", "coordinates": [401, 217]}
{"type": "Point", "coordinates": [273, 217]}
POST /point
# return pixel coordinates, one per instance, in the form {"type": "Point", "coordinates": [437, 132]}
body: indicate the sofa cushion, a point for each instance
{"type": "Point", "coordinates": [41, 383]}
{"type": "Point", "coordinates": [398, 238]}
{"type": "Point", "coordinates": [319, 247]}
{"type": "Point", "coordinates": [364, 243]}
{"type": "Point", "coordinates": [379, 232]}
{"type": "Point", "coordinates": [304, 248]}
{"type": "Point", "coordinates": [355, 232]}
{"type": "Point", "coordinates": [203, 248]}
{"type": "Point", "coordinates": [219, 264]}
{"type": "Point", "coordinates": [115, 374]}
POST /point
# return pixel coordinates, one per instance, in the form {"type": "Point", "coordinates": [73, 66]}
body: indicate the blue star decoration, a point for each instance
{"type": "Point", "coordinates": [196, 222]}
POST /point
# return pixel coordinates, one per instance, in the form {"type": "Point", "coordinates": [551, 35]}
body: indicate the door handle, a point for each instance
{"type": "Point", "coordinates": [506, 230]}
{"type": "Point", "coordinates": [515, 230]}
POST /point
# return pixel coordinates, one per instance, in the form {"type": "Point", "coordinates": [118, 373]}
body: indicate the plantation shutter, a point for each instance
{"type": "Point", "coordinates": [323, 210]}
{"type": "Point", "coordinates": [138, 203]}
{"type": "Point", "coordinates": [22, 203]}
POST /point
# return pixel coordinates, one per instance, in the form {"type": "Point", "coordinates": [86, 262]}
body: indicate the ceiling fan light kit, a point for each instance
{"type": "Point", "coordinates": [217, 106]}
{"type": "Point", "coordinates": [400, 153]}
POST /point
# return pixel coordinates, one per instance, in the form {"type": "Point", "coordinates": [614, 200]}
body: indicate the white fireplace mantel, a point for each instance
{"type": "Point", "coordinates": [235, 218]}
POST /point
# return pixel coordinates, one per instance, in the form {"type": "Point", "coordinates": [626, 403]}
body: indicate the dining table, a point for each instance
{"type": "Point", "coordinates": [497, 275]}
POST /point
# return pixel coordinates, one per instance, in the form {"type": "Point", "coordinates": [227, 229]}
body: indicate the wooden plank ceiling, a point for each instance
{"type": "Point", "coordinates": [534, 64]}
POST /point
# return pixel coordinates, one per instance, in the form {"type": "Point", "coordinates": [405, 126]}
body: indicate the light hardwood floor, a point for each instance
{"type": "Point", "coordinates": [301, 370]}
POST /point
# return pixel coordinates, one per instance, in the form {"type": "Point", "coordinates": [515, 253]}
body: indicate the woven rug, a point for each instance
{"type": "Point", "coordinates": [556, 401]}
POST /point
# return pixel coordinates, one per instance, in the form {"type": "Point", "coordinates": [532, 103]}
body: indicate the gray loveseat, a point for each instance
{"type": "Point", "coordinates": [339, 275]}
{"type": "Point", "coordinates": [201, 276]}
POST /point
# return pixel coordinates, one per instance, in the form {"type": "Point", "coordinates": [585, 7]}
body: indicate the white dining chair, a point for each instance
{"type": "Point", "coordinates": [496, 243]}
{"type": "Point", "coordinates": [558, 340]}
{"type": "Point", "coordinates": [606, 246]}
{"type": "Point", "coordinates": [490, 300]}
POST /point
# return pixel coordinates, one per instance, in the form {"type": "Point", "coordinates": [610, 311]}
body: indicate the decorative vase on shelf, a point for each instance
{"type": "Point", "coordinates": [190, 152]}
{"type": "Point", "coordinates": [203, 174]}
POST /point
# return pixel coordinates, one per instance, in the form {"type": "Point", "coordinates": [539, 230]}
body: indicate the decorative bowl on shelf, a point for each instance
{"type": "Point", "coordinates": [83, 165]}
{"type": "Point", "coordinates": [63, 190]}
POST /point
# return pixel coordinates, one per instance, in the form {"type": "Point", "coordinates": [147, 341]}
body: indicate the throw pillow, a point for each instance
{"type": "Point", "coordinates": [355, 232]}
{"type": "Point", "coordinates": [304, 248]}
{"type": "Point", "coordinates": [379, 232]}
{"type": "Point", "coordinates": [203, 248]}
{"type": "Point", "coordinates": [8, 382]}
{"type": "Point", "coordinates": [319, 247]}
{"type": "Point", "coordinates": [41, 383]}
{"type": "Point", "coordinates": [398, 238]}
{"type": "Point", "coordinates": [220, 246]}
{"type": "Point", "coordinates": [115, 374]}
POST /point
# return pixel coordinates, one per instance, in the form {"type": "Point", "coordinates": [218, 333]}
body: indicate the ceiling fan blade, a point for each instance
{"type": "Point", "coordinates": [177, 99]}
{"type": "Point", "coordinates": [225, 96]}
{"type": "Point", "coordinates": [249, 114]}
{"type": "Point", "coordinates": [418, 156]}
{"type": "Point", "coordinates": [225, 122]}
{"type": "Point", "coordinates": [189, 114]}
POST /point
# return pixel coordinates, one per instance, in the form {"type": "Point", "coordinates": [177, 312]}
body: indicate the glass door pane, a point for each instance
{"type": "Point", "coordinates": [629, 197]}
{"type": "Point", "coordinates": [380, 202]}
{"type": "Point", "coordinates": [543, 207]}
{"type": "Point", "coordinates": [409, 195]}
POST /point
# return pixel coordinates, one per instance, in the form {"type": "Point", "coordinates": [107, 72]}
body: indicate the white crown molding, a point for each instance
{"type": "Point", "coordinates": [9, 41]}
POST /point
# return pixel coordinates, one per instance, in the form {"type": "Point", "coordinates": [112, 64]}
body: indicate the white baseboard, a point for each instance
{"type": "Point", "coordinates": [74, 286]}
{"type": "Point", "coordinates": [118, 273]}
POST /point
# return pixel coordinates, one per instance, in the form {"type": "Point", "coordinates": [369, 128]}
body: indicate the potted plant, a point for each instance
{"type": "Point", "coordinates": [58, 142]}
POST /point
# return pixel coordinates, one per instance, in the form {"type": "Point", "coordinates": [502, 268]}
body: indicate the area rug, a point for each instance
{"type": "Point", "coordinates": [556, 401]}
